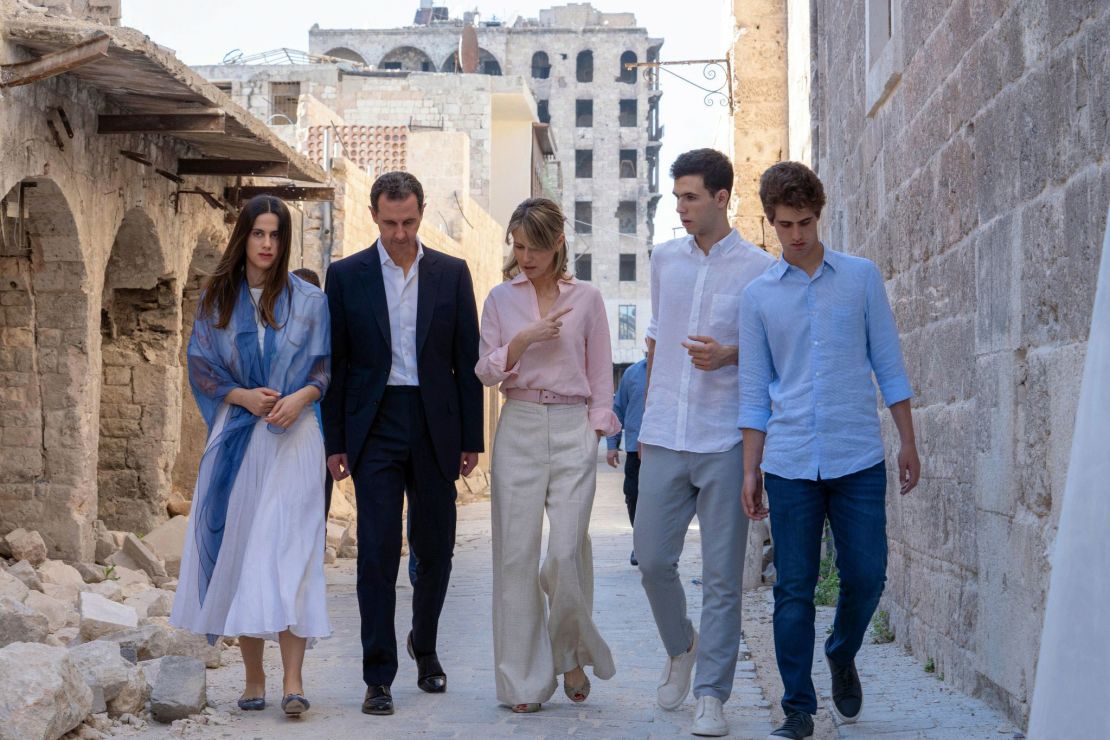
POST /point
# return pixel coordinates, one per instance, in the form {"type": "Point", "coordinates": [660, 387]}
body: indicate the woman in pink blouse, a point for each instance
{"type": "Point", "coordinates": [545, 339]}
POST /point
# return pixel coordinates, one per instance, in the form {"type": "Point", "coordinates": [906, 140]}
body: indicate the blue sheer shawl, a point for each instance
{"type": "Point", "coordinates": [293, 356]}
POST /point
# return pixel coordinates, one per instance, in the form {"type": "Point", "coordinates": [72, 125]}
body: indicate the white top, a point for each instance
{"type": "Point", "coordinates": [692, 293]}
{"type": "Point", "coordinates": [256, 294]}
{"type": "Point", "coordinates": [401, 291]}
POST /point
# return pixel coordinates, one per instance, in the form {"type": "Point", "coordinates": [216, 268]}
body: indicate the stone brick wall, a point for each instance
{"type": "Point", "coordinates": [91, 265]}
{"type": "Point", "coordinates": [980, 187]}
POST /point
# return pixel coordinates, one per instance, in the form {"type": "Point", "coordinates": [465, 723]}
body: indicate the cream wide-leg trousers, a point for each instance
{"type": "Point", "coordinates": [544, 459]}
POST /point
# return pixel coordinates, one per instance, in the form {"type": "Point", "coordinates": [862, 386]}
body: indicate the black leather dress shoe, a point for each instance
{"type": "Point", "coordinates": [429, 673]}
{"type": "Point", "coordinates": [378, 700]}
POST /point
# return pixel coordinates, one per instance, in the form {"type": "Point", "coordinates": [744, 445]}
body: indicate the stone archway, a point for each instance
{"type": "Point", "coordinates": [47, 399]}
{"type": "Point", "coordinates": [139, 405]}
{"type": "Point", "coordinates": [194, 433]}
{"type": "Point", "coordinates": [407, 58]}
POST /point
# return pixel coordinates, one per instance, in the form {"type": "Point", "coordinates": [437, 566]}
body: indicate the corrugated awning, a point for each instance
{"type": "Point", "coordinates": [141, 78]}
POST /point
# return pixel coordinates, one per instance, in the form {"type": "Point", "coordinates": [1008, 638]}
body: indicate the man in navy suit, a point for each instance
{"type": "Point", "coordinates": [403, 414]}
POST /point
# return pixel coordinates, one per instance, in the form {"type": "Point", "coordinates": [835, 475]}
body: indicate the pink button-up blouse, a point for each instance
{"type": "Point", "coordinates": [578, 362]}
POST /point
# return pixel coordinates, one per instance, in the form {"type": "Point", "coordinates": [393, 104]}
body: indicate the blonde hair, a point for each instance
{"type": "Point", "coordinates": [542, 221]}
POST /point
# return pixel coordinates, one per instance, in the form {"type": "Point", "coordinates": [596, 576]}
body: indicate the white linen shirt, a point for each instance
{"type": "Point", "coordinates": [401, 292]}
{"type": "Point", "coordinates": [692, 293]}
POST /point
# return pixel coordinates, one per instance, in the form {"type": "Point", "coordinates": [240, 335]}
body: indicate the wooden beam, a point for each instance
{"type": "Point", "coordinates": [54, 63]}
{"type": "Point", "coordinates": [256, 168]}
{"type": "Point", "coordinates": [285, 192]}
{"type": "Point", "coordinates": [162, 123]}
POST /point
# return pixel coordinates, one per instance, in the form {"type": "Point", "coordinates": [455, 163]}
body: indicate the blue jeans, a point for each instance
{"type": "Point", "coordinates": [855, 506]}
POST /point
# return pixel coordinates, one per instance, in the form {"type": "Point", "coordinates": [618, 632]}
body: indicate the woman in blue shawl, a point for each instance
{"type": "Point", "coordinates": [258, 359]}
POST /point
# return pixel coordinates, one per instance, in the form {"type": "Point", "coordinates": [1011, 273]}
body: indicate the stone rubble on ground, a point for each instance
{"type": "Point", "coordinates": [19, 623]}
{"type": "Point", "coordinates": [118, 686]}
{"type": "Point", "coordinates": [42, 693]}
{"type": "Point", "coordinates": [24, 571]}
{"type": "Point", "coordinates": [60, 574]}
{"type": "Point", "coordinates": [142, 556]}
{"type": "Point", "coordinates": [180, 689]}
{"type": "Point", "coordinates": [24, 545]}
{"type": "Point", "coordinates": [91, 640]}
{"type": "Point", "coordinates": [167, 541]}
{"type": "Point", "coordinates": [101, 617]}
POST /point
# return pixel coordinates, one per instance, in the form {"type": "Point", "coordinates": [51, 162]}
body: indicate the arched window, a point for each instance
{"type": "Point", "coordinates": [541, 67]}
{"type": "Point", "coordinates": [342, 52]}
{"type": "Point", "coordinates": [407, 58]}
{"type": "Point", "coordinates": [585, 66]}
{"type": "Point", "coordinates": [626, 74]}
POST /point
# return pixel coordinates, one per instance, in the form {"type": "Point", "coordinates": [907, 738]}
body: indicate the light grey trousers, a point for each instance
{"type": "Point", "coordinates": [544, 459]}
{"type": "Point", "coordinates": [673, 487]}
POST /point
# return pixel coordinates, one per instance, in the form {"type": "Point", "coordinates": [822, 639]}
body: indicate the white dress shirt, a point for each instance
{"type": "Point", "coordinates": [401, 291]}
{"type": "Point", "coordinates": [693, 293]}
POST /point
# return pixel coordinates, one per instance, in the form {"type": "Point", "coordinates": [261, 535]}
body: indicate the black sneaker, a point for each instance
{"type": "Point", "coordinates": [847, 694]}
{"type": "Point", "coordinates": [796, 726]}
{"type": "Point", "coordinates": [632, 558]}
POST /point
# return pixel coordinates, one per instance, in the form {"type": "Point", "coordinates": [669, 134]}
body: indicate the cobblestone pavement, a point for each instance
{"type": "Point", "coordinates": [901, 700]}
{"type": "Point", "coordinates": [623, 707]}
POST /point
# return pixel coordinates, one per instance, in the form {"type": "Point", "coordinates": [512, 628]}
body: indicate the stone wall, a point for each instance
{"type": "Point", "coordinates": [969, 159]}
{"type": "Point", "coordinates": [93, 259]}
{"type": "Point", "coordinates": [760, 118]}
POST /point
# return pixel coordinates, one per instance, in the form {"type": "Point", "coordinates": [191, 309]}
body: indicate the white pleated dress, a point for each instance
{"type": "Point", "coordinates": [269, 574]}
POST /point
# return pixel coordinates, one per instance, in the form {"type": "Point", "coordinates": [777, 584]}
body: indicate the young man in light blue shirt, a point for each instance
{"type": "Point", "coordinates": [814, 329]}
{"type": "Point", "coordinates": [628, 405]}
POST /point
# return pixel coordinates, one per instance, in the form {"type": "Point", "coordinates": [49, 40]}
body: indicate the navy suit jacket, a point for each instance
{"type": "Point", "coordinates": [361, 355]}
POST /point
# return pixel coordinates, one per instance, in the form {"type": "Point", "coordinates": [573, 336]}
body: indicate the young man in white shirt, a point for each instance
{"type": "Point", "coordinates": [691, 459]}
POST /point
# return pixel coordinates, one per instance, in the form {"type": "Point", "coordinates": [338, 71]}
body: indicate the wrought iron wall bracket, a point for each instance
{"type": "Point", "coordinates": [711, 70]}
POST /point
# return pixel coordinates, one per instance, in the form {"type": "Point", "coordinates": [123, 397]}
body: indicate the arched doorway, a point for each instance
{"type": "Point", "coordinates": [139, 405]}
{"type": "Point", "coordinates": [194, 433]}
{"type": "Point", "coordinates": [46, 403]}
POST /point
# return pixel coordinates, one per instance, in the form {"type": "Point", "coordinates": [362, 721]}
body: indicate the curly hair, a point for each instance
{"type": "Point", "coordinates": [791, 184]}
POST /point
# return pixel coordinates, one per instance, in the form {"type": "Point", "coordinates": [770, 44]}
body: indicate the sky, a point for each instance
{"type": "Point", "coordinates": [203, 31]}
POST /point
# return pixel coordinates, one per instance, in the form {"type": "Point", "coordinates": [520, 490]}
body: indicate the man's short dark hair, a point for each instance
{"type": "Point", "coordinates": [714, 168]}
{"type": "Point", "coordinates": [791, 184]}
{"type": "Point", "coordinates": [396, 186]}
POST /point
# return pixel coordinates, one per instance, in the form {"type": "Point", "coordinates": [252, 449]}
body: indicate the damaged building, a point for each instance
{"type": "Point", "coordinates": [119, 170]}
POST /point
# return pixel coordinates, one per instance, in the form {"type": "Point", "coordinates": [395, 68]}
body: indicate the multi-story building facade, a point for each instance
{"type": "Point", "coordinates": [604, 118]}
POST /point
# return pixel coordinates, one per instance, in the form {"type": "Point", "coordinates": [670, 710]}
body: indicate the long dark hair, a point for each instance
{"type": "Point", "coordinates": [223, 286]}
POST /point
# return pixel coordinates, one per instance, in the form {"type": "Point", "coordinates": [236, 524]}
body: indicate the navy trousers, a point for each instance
{"type": "Point", "coordinates": [855, 506]}
{"type": "Point", "coordinates": [398, 459]}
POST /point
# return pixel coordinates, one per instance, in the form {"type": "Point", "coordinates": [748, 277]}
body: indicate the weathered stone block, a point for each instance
{"type": "Point", "coordinates": [42, 694]}
{"type": "Point", "coordinates": [19, 623]}
{"type": "Point", "coordinates": [91, 572]}
{"type": "Point", "coordinates": [26, 545]}
{"type": "Point", "coordinates": [157, 640]}
{"type": "Point", "coordinates": [61, 574]}
{"type": "Point", "coordinates": [12, 587]}
{"type": "Point", "coordinates": [57, 613]}
{"type": "Point", "coordinates": [122, 684]}
{"type": "Point", "coordinates": [179, 690]}
{"type": "Point", "coordinates": [26, 573]}
{"type": "Point", "coordinates": [101, 617]}
{"type": "Point", "coordinates": [109, 589]}
{"type": "Point", "coordinates": [155, 602]}
{"type": "Point", "coordinates": [167, 541]}
{"type": "Point", "coordinates": [143, 556]}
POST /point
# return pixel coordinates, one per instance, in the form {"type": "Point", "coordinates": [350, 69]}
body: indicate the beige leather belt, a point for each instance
{"type": "Point", "coordinates": [525, 394]}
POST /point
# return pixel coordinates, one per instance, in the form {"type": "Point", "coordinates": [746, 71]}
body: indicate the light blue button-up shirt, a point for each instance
{"type": "Point", "coordinates": [808, 348]}
{"type": "Point", "coordinates": [628, 405]}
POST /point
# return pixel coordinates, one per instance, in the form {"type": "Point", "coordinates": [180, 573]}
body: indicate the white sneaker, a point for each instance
{"type": "Point", "coordinates": [674, 684]}
{"type": "Point", "coordinates": [709, 720]}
